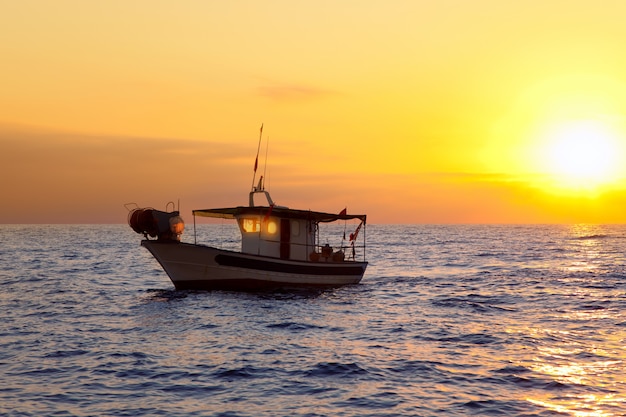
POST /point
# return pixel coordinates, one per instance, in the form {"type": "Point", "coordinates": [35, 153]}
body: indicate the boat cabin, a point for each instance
{"type": "Point", "coordinates": [276, 236]}
{"type": "Point", "coordinates": [279, 232]}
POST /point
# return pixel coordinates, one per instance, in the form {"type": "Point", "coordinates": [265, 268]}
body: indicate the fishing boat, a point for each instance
{"type": "Point", "coordinates": [280, 247]}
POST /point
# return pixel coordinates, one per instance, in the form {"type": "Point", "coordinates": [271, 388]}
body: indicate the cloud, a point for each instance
{"type": "Point", "coordinates": [57, 177]}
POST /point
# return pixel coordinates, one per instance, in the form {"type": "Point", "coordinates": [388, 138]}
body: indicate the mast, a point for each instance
{"type": "Point", "coordinates": [260, 188]}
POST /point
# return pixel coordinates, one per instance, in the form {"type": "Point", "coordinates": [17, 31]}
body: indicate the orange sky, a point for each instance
{"type": "Point", "coordinates": [410, 111]}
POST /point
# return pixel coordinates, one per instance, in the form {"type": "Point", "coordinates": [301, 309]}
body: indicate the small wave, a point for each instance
{"type": "Point", "coordinates": [592, 237]}
{"type": "Point", "coordinates": [479, 306]}
{"type": "Point", "coordinates": [591, 307]}
{"type": "Point", "coordinates": [617, 275]}
{"type": "Point", "coordinates": [472, 338]}
{"type": "Point", "coordinates": [290, 325]}
{"type": "Point", "coordinates": [496, 408]}
{"type": "Point", "coordinates": [66, 353]}
{"type": "Point", "coordinates": [513, 369]}
{"type": "Point", "coordinates": [336, 369]}
{"type": "Point", "coordinates": [383, 400]}
{"type": "Point", "coordinates": [240, 373]}
{"type": "Point", "coordinates": [192, 390]}
{"type": "Point", "coordinates": [523, 378]}
{"type": "Point", "coordinates": [133, 355]}
{"type": "Point", "coordinates": [480, 404]}
{"type": "Point", "coordinates": [415, 367]}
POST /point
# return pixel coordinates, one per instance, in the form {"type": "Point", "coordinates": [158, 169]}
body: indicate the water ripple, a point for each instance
{"type": "Point", "coordinates": [453, 321]}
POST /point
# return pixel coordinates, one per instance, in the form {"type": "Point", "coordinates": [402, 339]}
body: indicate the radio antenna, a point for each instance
{"type": "Point", "coordinates": [267, 145]}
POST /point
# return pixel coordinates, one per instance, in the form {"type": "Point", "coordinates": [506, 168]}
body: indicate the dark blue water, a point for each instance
{"type": "Point", "coordinates": [448, 321]}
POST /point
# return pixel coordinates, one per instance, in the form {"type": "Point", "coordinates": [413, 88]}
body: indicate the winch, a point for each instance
{"type": "Point", "coordinates": [156, 223]}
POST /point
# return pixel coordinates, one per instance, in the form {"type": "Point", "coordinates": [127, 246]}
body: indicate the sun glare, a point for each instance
{"type": "Point", "coordinates": [582, 155]}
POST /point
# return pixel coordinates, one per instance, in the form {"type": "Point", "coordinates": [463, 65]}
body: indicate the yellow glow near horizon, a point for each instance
{"type": "Point", "coordinates": [565, 135]}
{"type": "Point", "coordinates": [582, 155]}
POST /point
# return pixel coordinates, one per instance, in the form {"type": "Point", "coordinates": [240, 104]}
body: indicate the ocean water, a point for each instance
{"type": "Point", "coordinates": [448, 321]}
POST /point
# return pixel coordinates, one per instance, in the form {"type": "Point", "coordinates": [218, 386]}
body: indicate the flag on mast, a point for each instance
{"type": "Point", "coordinates": [256, 161]}
{"type": "Point", "coordinates": [356, 232]}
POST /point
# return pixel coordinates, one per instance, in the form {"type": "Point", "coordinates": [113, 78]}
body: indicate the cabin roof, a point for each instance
{"type": "Point", "coordinates": [282, 212]}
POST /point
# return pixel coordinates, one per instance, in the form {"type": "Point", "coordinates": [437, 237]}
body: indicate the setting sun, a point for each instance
{"type": "Point", "coordinates": [582, 155]}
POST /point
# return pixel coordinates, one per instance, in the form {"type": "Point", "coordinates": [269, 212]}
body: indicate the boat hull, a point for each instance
{"type": "Point", "coordinates": [191, 266]}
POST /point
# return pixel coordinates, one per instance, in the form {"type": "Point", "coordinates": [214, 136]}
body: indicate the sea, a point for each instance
{"type": "Point", "coordinates": [449, 320]}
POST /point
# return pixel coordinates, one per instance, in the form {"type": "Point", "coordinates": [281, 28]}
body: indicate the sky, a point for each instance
{"type": "Point", "coordinates": [452, 111]}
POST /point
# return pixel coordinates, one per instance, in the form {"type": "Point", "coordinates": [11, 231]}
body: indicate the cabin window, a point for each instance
{"type": "Point", "coordinates": [295, 228]}
{"type": "Point", "coordinates": [250, 225]}
{"type": "Point", "coordinates": [271, 227]}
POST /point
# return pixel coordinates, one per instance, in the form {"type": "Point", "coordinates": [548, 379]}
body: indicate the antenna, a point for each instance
{"type": "Point", "coordinates": [267, 145]}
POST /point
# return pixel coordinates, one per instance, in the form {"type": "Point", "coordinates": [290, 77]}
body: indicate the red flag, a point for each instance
{"type": "Point", "coordinates": [343, 212]}
{"type": "Point", "coordinates": [256, 161]}
{"type": "Point", "coordinates": [356, 232]}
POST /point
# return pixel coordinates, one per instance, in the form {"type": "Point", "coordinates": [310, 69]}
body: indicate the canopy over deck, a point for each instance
{"type": "Point", "coordinates": [282, 212]}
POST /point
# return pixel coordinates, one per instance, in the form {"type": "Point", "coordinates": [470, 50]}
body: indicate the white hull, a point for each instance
{"type": "Point", "coordinates": [192, 266]}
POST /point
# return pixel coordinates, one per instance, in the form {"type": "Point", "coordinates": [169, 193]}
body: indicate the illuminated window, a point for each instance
{"type": "Point", "coordinates": [271, 227]}
{"type": "Point", "coordinates": [250, 225]}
